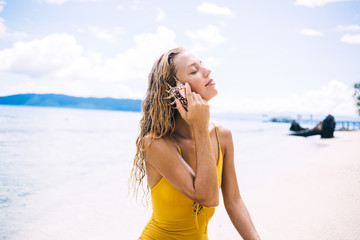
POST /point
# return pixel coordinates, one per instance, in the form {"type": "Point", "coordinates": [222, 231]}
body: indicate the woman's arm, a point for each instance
{"type": "Point", "coordinates": [202, 186]}
{"type": "Point", "coordinates": [233, 202]}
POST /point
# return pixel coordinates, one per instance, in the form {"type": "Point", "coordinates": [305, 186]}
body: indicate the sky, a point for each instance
{"type": "Point", "coordinates": [294, 56]}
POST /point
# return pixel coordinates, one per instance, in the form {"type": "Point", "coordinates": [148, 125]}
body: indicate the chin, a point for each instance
{"type": "Point", "coordinates": [212, 95]}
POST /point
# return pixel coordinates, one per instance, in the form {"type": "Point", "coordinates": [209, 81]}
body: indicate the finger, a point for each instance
{"type": "Point", "coordinates": [188, 93]}
{"type": "Point", "coordinates": [187, 86]}
{"type": "Point", "coordinates": [194, 98]}
{"type": "Point", "coordinates": [198, 97]}
{"type": "Point", "coordinates": [180, 108]}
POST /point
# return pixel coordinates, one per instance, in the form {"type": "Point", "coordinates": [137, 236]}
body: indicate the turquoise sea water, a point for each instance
{"type": "Point", "coordinates": [64, 172]}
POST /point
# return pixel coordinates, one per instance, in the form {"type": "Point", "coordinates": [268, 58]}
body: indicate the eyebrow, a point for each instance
{"type": "Point", "coordinates": [193, 64]}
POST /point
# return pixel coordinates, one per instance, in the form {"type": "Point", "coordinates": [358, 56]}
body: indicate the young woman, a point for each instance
{"type": "Point", "coordinates": [185, 157]}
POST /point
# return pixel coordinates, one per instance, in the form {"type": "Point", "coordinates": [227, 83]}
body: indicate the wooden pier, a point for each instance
{"type": "Point", "coordinates": [340, 125]}
{"type": "Point", "coordinates": [348, 125]}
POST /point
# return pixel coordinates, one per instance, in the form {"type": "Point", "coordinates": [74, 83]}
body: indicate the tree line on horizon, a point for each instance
{"type": "Point", "coordinates": [60, 100]}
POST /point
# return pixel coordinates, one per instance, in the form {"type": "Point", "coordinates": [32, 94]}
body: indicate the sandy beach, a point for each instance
{"type": "Point", "coordinates": [319, 199]}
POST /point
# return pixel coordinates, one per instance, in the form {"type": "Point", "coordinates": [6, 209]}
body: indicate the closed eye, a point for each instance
{"type": "Point", "coordinates": [194, 70]}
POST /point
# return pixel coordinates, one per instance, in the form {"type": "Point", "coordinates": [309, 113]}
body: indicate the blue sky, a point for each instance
{"type": "Point", "coordinates": [299, 56]}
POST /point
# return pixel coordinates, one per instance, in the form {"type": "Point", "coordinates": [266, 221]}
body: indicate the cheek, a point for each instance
{"type": "Point", "coordinates": [195, 84]}
{"type": "Point", "coordinates": [195, 88]}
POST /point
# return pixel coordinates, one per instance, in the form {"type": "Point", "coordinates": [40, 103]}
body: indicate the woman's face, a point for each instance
{"type": "Point", "coordinates": [189, 69]}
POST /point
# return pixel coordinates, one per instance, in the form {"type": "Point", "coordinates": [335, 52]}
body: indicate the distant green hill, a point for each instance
{"type": "Point", "coordinates": [59, 100]}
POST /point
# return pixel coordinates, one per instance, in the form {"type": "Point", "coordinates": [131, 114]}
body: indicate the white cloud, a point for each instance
{"type": "Point", "coordinates": [210, 35]}
{"type": "Point", "coordinates": [2, 28]}
{"type": "Point", "coordinates": [333, 98]}
{"type": "Point", "coordinates": [135, 64]}
{"type": "Point", "coordinates": [348, 28]}
{"type": "Point", "coordinates": [136, 5]}
{"type": "Point", "coordinates": [316, 3]}
{"type": "Point", "coordinates": [197, 48]}
{"type": "Point", "coordinates": [58, 2]}
{"type": "Point", "coordinates": [57, 63]}
{"type": "Point", "coordinates": [311, 32]}
{"type": "Point", "coordinates": [160, 15]}
{"type": "Point", "coordinates": [214, 9]}
{"type": "Point", "coordinates": [351, 39]}
{"type": "Point", "coordinates": [103, 34]}
{"type": "Point", "coordinates": [18, 35]}
{"type": "Point", "coordinates": [40, 57]}
{"type": "Point", "coordinates": [211, 62]}
{"type": "Point", "coordinates": [5, 33]}
{"type": "Point", "coordinates": [2, 3]}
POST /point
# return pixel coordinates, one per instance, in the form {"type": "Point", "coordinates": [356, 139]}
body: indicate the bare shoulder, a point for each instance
{"type": "Point", "coordinates": [224, 134]}
{"type": "Point", "coordinates": [155, 146]}
{"type": "Point", "coordinates": [225, 138]}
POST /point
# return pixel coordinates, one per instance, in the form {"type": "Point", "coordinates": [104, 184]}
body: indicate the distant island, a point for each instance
{"type": "Point", "coordinates": [60, 100]}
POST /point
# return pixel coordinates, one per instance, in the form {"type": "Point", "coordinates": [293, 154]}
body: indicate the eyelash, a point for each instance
{"type": "Point", "coordinates": [194, 72]}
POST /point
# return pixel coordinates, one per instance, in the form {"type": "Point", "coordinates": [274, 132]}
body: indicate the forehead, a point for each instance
{"type": "Point", "coordinates": [184, 60]}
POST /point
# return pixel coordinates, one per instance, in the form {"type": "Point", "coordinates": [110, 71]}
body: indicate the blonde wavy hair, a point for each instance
{"type": "Point", "coordinates": [158, 116]}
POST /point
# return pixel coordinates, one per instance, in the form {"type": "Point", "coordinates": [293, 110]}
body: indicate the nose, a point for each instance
{"type": "Point", "coordinates": [206, 72]}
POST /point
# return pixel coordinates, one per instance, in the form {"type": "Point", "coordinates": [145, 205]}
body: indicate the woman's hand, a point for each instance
{"type": "Point", "coordinates": [198, 113]}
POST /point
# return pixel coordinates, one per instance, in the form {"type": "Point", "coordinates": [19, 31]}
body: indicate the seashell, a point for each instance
{"type": "Point", "coordinates": [174, 92]}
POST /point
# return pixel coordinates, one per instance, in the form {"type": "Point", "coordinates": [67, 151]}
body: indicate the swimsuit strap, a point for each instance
{"type": "Point", "coordinates": [177, 145]}
{"type": "Point", "coordinates": [196, 206]}
{"type": "Point", "coordinates": [217, 135]}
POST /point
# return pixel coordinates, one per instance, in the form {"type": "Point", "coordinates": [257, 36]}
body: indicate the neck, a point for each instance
{"type": "Point", "coordinates": [182, 128]}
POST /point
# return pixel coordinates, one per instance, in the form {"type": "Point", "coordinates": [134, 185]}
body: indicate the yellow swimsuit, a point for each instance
{"type": "Point", "coordinates": [176, 216]}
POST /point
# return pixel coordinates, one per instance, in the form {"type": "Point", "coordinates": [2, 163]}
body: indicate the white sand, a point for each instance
{"type": "Point", "coordinates": [320, 199]}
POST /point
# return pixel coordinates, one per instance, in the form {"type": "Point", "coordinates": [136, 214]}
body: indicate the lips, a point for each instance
{"type": "Point", "coordinates": [210, 82]}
